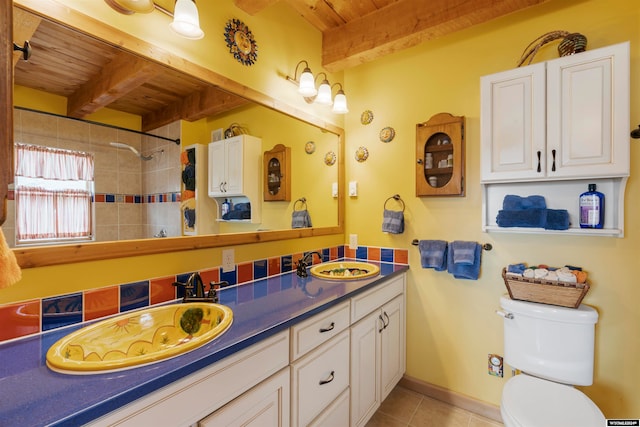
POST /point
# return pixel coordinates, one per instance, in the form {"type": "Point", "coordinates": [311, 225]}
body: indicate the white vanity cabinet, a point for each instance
{"type": "Point", "coordinates": [553, 128]}
{"type": "Point", "coordinates": [377, 347]}
{"type": "Point", "coordinates": [560, 119]}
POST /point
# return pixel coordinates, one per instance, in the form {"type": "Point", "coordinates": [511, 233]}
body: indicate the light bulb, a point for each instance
{"type": "Point", "coordinates": [307, 87]}
{"type": "Point", "coordinates": [186, 21]}
{"type": "Point", "coordinates": [340, 103]}
{"type": "Point", "coordinates": [324, 94]}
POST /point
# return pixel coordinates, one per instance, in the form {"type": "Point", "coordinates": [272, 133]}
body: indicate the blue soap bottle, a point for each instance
{"type": "Point", "coordinates": [592, 208]}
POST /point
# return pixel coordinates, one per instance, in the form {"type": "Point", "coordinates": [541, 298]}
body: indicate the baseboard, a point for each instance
{"type": "Point", "coordinates": [456, 399]}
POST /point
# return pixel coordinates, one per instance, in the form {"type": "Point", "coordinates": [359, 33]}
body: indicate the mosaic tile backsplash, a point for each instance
{"type": "Point", "coordinates": [40, 315]}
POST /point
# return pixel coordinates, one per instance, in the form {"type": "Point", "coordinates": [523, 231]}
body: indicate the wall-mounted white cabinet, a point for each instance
{"type": "Point", "coordinates": [561, 124]}
{"type": "Point", "coordinates": [235, 166]}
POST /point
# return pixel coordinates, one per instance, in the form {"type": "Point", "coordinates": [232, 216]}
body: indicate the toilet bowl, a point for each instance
{"type": "Point", "coordinates": [533, 402]}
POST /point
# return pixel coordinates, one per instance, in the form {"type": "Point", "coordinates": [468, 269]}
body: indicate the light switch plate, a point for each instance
{"type": "Point", "coordinates": [353, 188]}
{"type": "Point", "coordinates": [334, 189]}
{"type": "Point", "coordinates": [228, 261]}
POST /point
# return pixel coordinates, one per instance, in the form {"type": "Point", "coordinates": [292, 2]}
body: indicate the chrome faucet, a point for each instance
{"type": "Point", "coordinates": [194, 289]}
{"type": "Point", "coordinates": [303, 263]}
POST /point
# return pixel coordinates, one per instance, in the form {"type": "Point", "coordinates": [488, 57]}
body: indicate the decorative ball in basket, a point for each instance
{"type": "Point", "coordinates": [544, 291]}
{"type": "Point", "coordinates": [571, 43]}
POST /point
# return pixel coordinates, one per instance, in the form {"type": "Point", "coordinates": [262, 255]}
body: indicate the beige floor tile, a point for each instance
{"type": "Point", "coordinates": [434, 413]}
{"type": "Point", "coordinates": [401, 404]}
{"type": "Point", "coordinates": [382, 420]}
{"type": "Point", "coordinates": [479, 421]}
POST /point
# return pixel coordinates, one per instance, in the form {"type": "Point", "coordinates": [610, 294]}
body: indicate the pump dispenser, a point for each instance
{"type": "Point", "coordinates": [592, 208]}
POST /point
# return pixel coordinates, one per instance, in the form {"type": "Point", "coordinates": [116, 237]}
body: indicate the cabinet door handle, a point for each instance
{"type": "Point", "coordinates": [328, 380]}
{"type": "Point", "coordinates": [330, 328]}
{"type": "Point", "coordinates": [539, 168]}
{"type": "Point", "coordinates": [383, 325]}
{"type": "Point", "coordinates": [553, 156]}
{"type": "Point", "coordinates": [388, 320]}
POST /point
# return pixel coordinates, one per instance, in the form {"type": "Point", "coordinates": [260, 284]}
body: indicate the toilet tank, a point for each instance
{"type": "Point", "coordinates": [555, 343]}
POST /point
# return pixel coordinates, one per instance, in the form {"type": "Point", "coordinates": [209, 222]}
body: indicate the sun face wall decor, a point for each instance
{"type": "Point", "coordinates": [240, 42]}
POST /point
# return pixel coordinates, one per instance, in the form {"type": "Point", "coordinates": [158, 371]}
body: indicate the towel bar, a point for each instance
{"type": "Point", "coordinates": [486, 246]}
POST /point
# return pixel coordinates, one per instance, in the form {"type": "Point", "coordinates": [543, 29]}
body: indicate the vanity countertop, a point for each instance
{"type": "Point", "coordinates": [33, 395]}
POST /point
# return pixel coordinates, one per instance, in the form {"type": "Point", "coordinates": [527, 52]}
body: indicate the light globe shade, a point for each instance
{"type": "Point", "coordinates": [186, 21]}
{"type": "Point", "coordinates": [324, 94]}
{"type": "Point", "coordinates": [307, 86]}
{"type": "Point", "coordinates": [340, 103]}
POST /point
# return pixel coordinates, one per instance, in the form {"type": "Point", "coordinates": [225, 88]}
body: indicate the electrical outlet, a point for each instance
{"type": "Point", "coordinates": [495, 365]}
{"type": "Point", "coordinates": [353, 241]}
{"type": "Point", "coordinates": [228, 261]}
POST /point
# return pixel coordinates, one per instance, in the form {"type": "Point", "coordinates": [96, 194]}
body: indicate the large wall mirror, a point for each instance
{"type": "Point", "coordinates": [75, 82]}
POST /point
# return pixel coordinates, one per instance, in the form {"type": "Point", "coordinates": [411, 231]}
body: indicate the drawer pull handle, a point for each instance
{"type": "Point", "coordinates": [553, 166]}
{"type": "Point", "coordinates": [539, 169]}
{"type": "Point", "coordinates": [328, 380]}
{"type": "Point", "coordinates": [330, 328]}
{"type": "Point", "coordinates": [383, 325]}
{"type": "Point", "coordinates": [387, 322]}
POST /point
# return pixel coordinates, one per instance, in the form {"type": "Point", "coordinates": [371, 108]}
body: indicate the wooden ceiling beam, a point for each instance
{"type": "Point", "coordinates": [24, 26]}
{"type": "Point", "coordinates": [319, 13]}
{"type": "Point", "coordinates": [119, 77]}
{"type": "Point", "coordinates": [206, 103]}
{"type": "Point", "coordinates": [407, 23]}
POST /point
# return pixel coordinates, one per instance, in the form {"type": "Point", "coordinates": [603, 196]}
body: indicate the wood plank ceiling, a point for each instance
{"type": "Point", "coordinates": [92, 74]}
{"type": "Point", "coordinates": [358, 31]}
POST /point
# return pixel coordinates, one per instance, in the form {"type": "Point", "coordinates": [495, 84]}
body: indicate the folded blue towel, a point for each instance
{"type": "Point", "coordinates": [511, 202]}
{"type": "Point", "coordinates": [462, 271]}
{"type": "Point", "coordinates": [517, 268]}
{"type": "Point", "coordinates": [393, 222]}
{"type": "Point", "coordinates": [300, 219]}
{"type": "Point", "coordinates": [433, 254]}
{"type": "Point", "coordinates": [557, 219]}
{"type": "Point", "coordinates": [536, 218]}
{"type": "Point", "coordinates": [463, 252]}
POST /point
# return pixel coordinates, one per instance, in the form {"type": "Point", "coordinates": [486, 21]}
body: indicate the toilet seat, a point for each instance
{"type": "Point", "coordinates": [533, 402]}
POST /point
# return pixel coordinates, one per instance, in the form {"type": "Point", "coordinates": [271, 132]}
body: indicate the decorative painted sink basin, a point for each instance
{"type": "Point", "coordinates": [139, 338]}
{"type": "Point", "coordinates": [344, 270]}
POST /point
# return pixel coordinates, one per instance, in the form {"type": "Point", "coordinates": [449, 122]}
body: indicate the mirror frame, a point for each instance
{"type": "Point", "coordinates": [63, 254]}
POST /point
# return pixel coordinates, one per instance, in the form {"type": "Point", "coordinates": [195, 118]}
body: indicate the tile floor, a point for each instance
{"type": "Point", "coordinates": [406, 408]}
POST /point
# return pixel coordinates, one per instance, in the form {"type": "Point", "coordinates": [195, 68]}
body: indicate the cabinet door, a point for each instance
{"type": "Point", "coordinates": [392, 346]}
{"type": "Point", "coordinates": [266, 405]}
{"type": "Point", "coordinates": [217, 169]}
{"type": "Point", "coordinates": [365, 365]}
{"type": "Point", "coordinates": [234, 165]}
{"type": "Point", "coordinates": [588, 113]}
{"type": "Point", "coordinates": [513, 124]}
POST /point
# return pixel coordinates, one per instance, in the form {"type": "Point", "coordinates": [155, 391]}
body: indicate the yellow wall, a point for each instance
{"type": "Point", "coordinates": [451, 323]}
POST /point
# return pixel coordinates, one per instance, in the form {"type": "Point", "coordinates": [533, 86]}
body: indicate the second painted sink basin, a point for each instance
{"type": "Point", "coordinates": [139, 338]}
{"type": "Point", "coordinates": [345, 270]}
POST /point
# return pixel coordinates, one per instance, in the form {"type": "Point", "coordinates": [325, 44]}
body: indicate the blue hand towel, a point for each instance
{"type": "Point", "coordinates": [557, 219]}
{"type": "Point", "coordinates": [463, 252]}
{"type": "Point", "coordinates": [462, 271]}
{"type": "Point", "coordinates": [393, 222]}
{"type": "Point", "coordinates": [433, 254]}
{"type": "Point", "coordinates": [300, 219]}
{"type": "Point", "coordinates": [511, 202]}
{"type": "Point", "coordinates": [535, 218]}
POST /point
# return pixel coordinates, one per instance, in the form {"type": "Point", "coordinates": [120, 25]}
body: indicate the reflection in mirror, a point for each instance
{"type": "Point", "coordinates": [73, 74]}
{"type": "Point", "coordinates": [103, 83]}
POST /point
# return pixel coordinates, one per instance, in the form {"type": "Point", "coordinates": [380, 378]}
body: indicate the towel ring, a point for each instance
{"type": "Point", "coordinates": [302, 200]}
{"type": "Point", "coordinates": [485, 246]}
{"type": "Point", "coordinates": [394, 197]}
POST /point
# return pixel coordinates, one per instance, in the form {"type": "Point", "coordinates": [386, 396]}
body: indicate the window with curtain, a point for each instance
{"type": "Point", "coordinates": [53, 194]}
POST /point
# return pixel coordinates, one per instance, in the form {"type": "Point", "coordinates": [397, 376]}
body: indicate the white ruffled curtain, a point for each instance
{"type": "Point", "coordinates": [46, 213]}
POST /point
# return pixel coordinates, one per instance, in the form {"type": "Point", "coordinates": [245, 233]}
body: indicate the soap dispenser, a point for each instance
{"type": "Point", "coordinates": [591, 208]}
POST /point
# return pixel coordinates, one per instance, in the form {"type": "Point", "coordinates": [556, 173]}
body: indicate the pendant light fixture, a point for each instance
{"type": "Point", "coordinates": [186, 21]}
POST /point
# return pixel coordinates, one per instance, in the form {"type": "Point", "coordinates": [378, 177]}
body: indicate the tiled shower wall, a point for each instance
{"type": "Point", "coordinates": [134, 198]}
{"type": "Point", "coordinates": [31, 317]}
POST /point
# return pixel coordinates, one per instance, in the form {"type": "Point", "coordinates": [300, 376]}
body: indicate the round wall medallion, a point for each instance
{"type": "Point", "coordinates": [310, 147]}
{"type": "Point", "coordinates": [387, 134]}
{"type": "Point", "coordinates": [240, 42]}
{"type": "Point", "coordinates": [362, 154]}
{"type": "Point", "coordinates": [366, 117]}
{"type": "Point", "coordinates": [330, 158]}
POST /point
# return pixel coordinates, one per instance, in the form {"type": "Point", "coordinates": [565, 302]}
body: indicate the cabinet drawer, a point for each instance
{"type": "Point", "coordinates": [307, 335]}
{"type": "Point", "coordinates": [365, 303]}
{"type": "Point", "coordinates": [337, 414]}
{"type": "Point", "coordinates": [318, 378]}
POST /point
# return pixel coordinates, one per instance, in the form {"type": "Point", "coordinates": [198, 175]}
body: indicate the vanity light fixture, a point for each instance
{"type": "Point", "coordinates": [307, 88]}
{"type": "Point", "coordinates": [186, 21]}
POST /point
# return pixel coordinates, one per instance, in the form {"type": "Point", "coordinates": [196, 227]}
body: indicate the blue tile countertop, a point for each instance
{"type": "Point", "coordinates": [33, 395]}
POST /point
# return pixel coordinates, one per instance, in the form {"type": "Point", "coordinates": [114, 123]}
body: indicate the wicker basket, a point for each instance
{"type": "Point", "coordinates": [545, 291]}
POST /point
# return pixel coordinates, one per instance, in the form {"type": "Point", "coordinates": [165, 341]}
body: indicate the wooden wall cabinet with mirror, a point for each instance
{"type": "Point", "coordinates": [277, 174]}
{"type": "Point", "coordinates": [440, 156]}
{"type": "Point", "coordinates": [161, 69]}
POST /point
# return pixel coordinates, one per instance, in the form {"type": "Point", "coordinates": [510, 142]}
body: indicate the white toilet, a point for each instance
{"type": "Point", "coordinates": [553, 348]}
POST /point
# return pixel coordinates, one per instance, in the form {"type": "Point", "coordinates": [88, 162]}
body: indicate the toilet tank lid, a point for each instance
{"type": "Point", "coordinates": [582, 314]}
